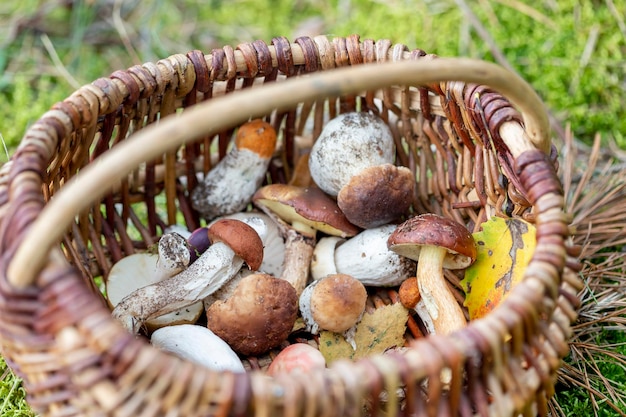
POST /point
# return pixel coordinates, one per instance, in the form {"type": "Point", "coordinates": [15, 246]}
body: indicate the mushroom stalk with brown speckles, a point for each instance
{"type": "Point", "coordinates": [229, 186]}
{"type": "Point", "coordinates": [233, 242]}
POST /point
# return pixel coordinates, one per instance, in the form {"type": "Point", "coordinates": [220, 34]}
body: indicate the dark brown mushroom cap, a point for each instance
{"type": "Point", "coordinates": [257, 317]}
{"type": "Point", "coordinates": [305, 209]}
{"type": "Point", "coordinates": [435, 230]}
{"type": "Point", "coordinates": [377, 195]}
{"type": "Point", "coordinates": [241, 238]}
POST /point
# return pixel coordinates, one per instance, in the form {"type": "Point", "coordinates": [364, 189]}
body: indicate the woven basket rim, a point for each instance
{"type": "Point", "coordinates": [22, 270]}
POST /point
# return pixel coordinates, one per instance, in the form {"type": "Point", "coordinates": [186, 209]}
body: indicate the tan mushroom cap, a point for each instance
{"type": "Point", "coordinates": [435, 230]}
{"type": "Point", "coordinates": [337, 302]}
{"type": "Point", "coordinates": [306, 209]}
{"type": "Point", "coordinates": [241, 238]}
{"type": "Point", "coordinates": [257, 317]}
{"type": "Point", "coordinates": [377, 195]}
{"type": "Point", "coordinates": [409, 292]}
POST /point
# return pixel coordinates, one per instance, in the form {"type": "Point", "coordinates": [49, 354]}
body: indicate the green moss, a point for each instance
{"type": "Point", "coordinates": [12, 394]}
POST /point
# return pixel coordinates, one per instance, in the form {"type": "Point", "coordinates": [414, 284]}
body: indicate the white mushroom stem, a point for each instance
{"type": "Point", "coordinates": [173, 256]}
{"type": "Point", "coordinates": [323, 262]}
{"type": "Point", "coordinates": [367, 258]}
{"type": "Point", "coordinates": [199, 345]}
{"type": "Point", "coordinates": [438, 301]}
{"type": "Point", "coordinates": [229, 186]}
{"type": "Point", "coordinates": [206, 275]}
{"type": "Point", "coordinates": [298, 251]}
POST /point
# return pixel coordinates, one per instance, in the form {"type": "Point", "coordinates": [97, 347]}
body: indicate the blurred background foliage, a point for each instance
{"type": "Point", "coordinates": [572, 52]}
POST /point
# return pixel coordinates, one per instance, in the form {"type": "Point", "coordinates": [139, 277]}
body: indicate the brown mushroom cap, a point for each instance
{"type": "Point", "coordinates": [377, 195]}
{"type": "Point", "coordinates": [432, 229]}
{"type": "Point", "coordinates": [258, 316]}
{"type": "Point", "coordinates": [241, 238]}
{"type": "Point", "coordinates": [337, 302]}
{"type": "Point", "coordinates": [306, 209]}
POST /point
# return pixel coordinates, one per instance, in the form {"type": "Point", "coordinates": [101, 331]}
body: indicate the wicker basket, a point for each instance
{"type": "Point", "coordinates": [474, 157]}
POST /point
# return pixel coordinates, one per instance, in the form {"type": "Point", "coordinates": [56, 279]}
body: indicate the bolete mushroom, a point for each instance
{"type": "Point", "coordinates": [365, 257]}
{"type": "Point", "coordinates": [273, 243]}
{"type": "Point", "coordinates": [300, 213]}
{"type": "Point", "coordinates": [348, 144]}
{"type": "Point", "coordinates": [257, 317]}
{"type": "Point", "coordinates": [436, 242]}
{"type": "Point", "coordinates": [335, 303]}
{"type": "Point", "coordinates": [353, 160]}
{"type": "Point", "coordinates": [233, 243]}
{"type": "Point", "coordinates": [142, 269]}
{"type": "Point", "coordinates": [199, 345]}
{"type": "Point", "coordinates": [298, 357]}
{"type": "Point", "coordinates": [229, 186]}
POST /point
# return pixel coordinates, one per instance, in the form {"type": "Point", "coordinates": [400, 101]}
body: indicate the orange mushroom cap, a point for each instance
{"type": "Point", "coordinates": [257, 136]}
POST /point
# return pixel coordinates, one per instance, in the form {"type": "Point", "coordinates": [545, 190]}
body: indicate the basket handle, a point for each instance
{"type": "Point", "coordinates": [211, 116]}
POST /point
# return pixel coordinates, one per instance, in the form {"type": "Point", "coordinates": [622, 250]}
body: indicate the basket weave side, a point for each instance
{"type": "Point", "coordinates": [75, 360]}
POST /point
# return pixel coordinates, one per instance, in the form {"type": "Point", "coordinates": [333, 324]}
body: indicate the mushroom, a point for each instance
{"type": "Point", "coordinates": [300, 213]}
{"type": "Point", "coordinates": [367, 258]}
{"type": "Point", "coordinates": [352, 160]}
{"type": "Point", "coordinates": [436, 242]}
{"type": "Point", "coordinates": [323, 261]}
{"type": "Point", "coordinates": [273, 253]}
{"type": "Point", "coordinates": [348, 144]}
{"type": "Point", "coordinates": [198, 242]}
{"type": "Point", "coordinates": [298, 357]}
{"type": "Point", "coordinates": [229, 186]}
{"type": "Point", "coordinates": [234, 243]}
{"type": "Point", "coordinates": [377, 195]}
{"type": "Point", "coordinates": [273, 243]}
{"type": "Point", "coordinates": [409, 293]}
{"type": "Point", "coordinates": [142, 269]}
{"type": "Point", "coordinates": [257, 317]}
{"type": "Point", "coordinates": [199, 345]}
{"type": "Point", "coordinates": [335, 303]}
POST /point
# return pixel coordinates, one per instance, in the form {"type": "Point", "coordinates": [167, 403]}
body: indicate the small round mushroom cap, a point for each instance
{"type": "Point", "coordinates": [198, 242]}
{"type": "Point", "coordinates": [257, 317]}
{"type": "Point", "coordinates": [409, 292]}
{"type": "Point", "coordinates": [377, 195]}
{"type": "Point", "coordinates": [435, 230]}
{"type": "Point", "coordinates": [305, 209]}
{"type": "Point", "coordinates": [299, 357]}
{"type": "Point", "coordinates": [241, 238]}
{"type": "Point", "coordinates": [337, 302]}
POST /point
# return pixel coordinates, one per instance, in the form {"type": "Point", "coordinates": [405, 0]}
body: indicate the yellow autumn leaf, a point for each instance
{"type": "Point", "coordinates": [334, 346]}
{"type": "Point", "coordinates": [505, 247]}
{"type": "Point", "coordinates": [376, 332]}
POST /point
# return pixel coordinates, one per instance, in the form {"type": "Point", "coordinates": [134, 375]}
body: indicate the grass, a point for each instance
{"type": "Point", "coordinates": [12, 394]}
{"type": "Point", "coordinates": [572, 52]}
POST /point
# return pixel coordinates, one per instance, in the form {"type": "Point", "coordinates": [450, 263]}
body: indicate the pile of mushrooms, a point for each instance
{"type": "Point", "coordinates": [273, 254]}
